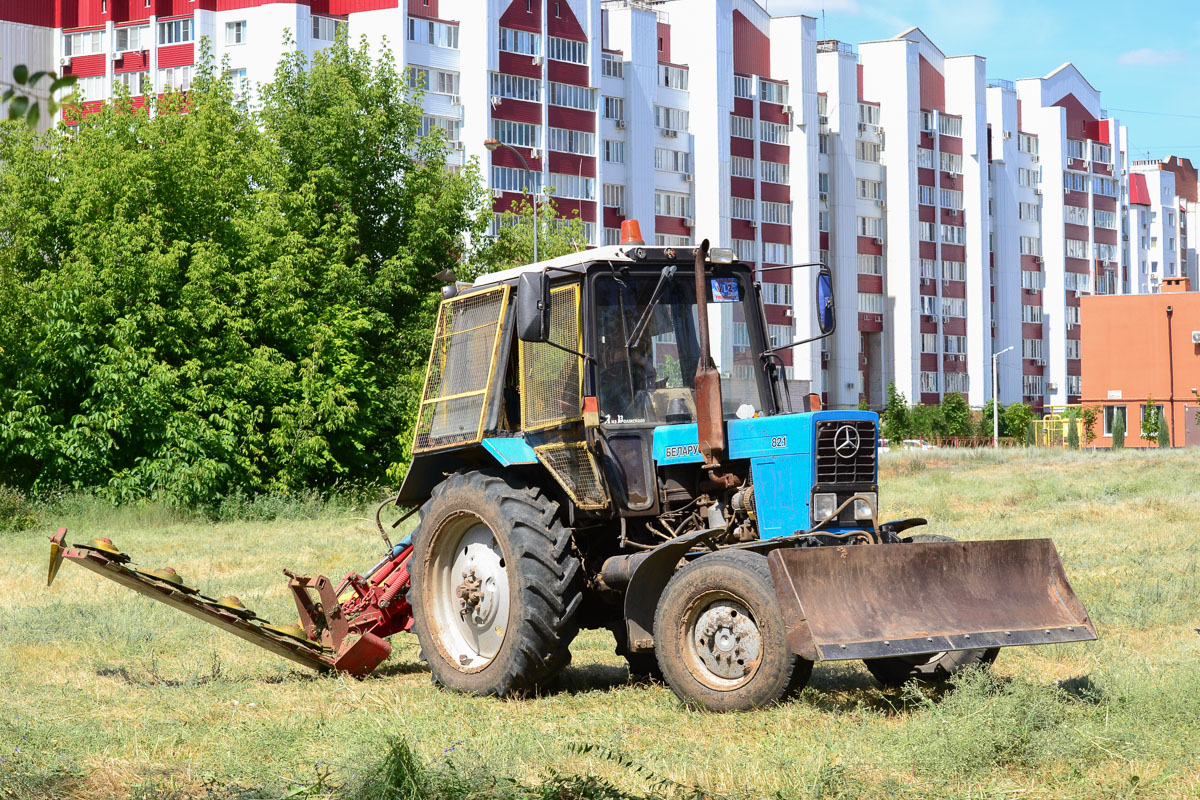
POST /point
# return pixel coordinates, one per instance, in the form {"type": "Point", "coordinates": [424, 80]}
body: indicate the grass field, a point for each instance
{"type": "Point", "coordinates": [107, 694]}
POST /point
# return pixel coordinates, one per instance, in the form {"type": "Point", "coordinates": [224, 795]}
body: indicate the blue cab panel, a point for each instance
{"type": "Point", "coordinates": [510, 450]}
{"type": "Point", "coordinates": [781, 461]}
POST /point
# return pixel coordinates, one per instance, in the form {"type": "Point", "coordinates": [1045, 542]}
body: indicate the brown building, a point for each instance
{"type": "Point", "coordinates": [1138, 347]}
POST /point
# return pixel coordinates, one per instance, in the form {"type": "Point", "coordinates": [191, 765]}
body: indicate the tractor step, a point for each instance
{"type": "Point", "coordinates": [321, 642]}
{"type": "Point", "coordinates": [862, 601]}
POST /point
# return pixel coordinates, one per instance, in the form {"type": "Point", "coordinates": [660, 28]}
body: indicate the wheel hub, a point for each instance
{"type": "Point", "coordinates": [726, 641]}
{"type": "Point", "coordinates": [473, 597]}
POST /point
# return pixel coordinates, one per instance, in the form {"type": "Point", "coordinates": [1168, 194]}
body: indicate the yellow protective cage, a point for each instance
{"type": "Point", "coordinates": [551, 378]}
{"type": "Point", "coordinates": [460, 382]}
{"type": "Point", "coordinates": [576, 470]}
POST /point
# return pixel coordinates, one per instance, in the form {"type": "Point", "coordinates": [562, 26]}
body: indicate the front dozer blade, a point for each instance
{"type": "Point", "coordinates": [875, 601]}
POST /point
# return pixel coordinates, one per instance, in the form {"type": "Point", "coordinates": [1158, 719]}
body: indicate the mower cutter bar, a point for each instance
{"type": "Point", "coordinates": [356, 658]}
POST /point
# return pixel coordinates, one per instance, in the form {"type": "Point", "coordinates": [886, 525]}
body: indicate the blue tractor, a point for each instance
{"type": "Point", "coordinates": [609, 440]}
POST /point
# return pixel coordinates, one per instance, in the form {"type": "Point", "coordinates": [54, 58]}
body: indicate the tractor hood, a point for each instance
{"type": "Point", "coordinates": [785, 434]}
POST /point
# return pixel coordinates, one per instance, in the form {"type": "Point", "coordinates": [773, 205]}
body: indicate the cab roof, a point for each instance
{"type": "Point", "coordinates": [572, 262]}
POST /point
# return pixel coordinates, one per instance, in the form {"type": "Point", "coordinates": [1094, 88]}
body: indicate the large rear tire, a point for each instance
{"type": "Point", "coordinates": [495, 586]}
{"type": "Point", "coordinates": [720, 638]}
{"type": "Point", "coordinates": [929, 669]}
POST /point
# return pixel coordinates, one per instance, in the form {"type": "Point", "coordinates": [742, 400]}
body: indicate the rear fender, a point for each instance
{"type": "Point", "coordinates": [646, 586]}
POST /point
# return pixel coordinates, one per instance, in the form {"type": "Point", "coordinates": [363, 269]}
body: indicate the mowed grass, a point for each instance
{"type": "Point", "coordinates": [108, 694]}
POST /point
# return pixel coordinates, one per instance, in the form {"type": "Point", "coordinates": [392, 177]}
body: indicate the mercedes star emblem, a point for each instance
{"type": "Point", "coordinates": [846, 441]}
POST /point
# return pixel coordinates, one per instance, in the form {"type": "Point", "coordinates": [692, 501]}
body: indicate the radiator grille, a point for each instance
{"type": "Point", "coordinates": [850, 465]}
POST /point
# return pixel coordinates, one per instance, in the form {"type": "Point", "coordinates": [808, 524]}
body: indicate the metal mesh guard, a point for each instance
{"type": "Point", "coordinates": [576, 470]}
{"type": "Point", "coordinates": [551, 379]}
{"type": "Point", "coordinates": [462, 363]}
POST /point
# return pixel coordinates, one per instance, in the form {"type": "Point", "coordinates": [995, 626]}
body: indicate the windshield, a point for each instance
{"type": "Point", "coordinates": [651, 380]}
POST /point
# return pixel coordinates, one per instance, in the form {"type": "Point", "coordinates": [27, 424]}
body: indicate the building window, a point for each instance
{"type": "Point", "coordinates": [741, 208]}
{"type": "Point", "coordinates": [954, 234]}
{"type": "Point", "coordinates": [1031, 313]}
{"type": "Point", "coordinates": [870, 226]}
{"type": "Point", "coordinates": [929, 382]}
{"type": "Point", "coordinates": [673, 77]}
{"type": "Point", "coordinates": [138, 83]}
{"type": "Point", "coordinates": [744, 250]}
{"type": "Point", "coordinates": [774, 172]}
{"type": "Point", "coordinates": [670, 119]}
{"type": "Point", "coordinates": [1104, 186]}
{"type": "Point", "coordinates": [951, 198]}
{"type": "Point", "coordinates": [772, 92]}
{"type": "Point", "coordinates": [326, 29]}
{"type": "Point", "coordinates": [779, 334]}
{"type": "Point", "coordinates": [1031, 245]}
{"type": "Point", "coordinates": [569, 96]}
{"type": "Point", "coordinates": [1072, 348]}
{"type": "Point", "coordinates": [1032, 280]}
{"type": "Point", "coordinates": [522, 43]}
{"type": "Point", "coordinates": [433, 80]}
{"type": "Point", "coordinates": [928, 268]}
{"type": "Point", "coordinates": [83, 44]}
{"type": "Point", "coordinates": [1074, 148]}
{"type": "Point", "coordinates": [1028, 177]}
{"type": "Point", "coordinates": [950, 126]}
{"type": "Point", "coordinates": [870, 303]}
{"type": "Point", "coordinates": [611, 66]}
{"type": "Point", "coordinates": [741, 86]}
{"type": "Point", "coordinates": [175, 78]}
{"type": "Point", "coordinates": [670, 240]}
{"type": "Point", "coordinates": [773, 132]}
{"type": "Point", "coordinates": [954, 271]}
{"type": "Point", "coordinates": [564, 140]}
{"type": "Point", "coordinates": [516, 87]}
{"type": "Point", "coordinates": [867, 151]}
{"type": "Point", "coordinates": [927, 231]}
{"type": "Point", "coordinates": [869, 190]}
{"type": "Point", "coordinates": [1027, 143]}
{"type": "Point", "coordinates": [574, 187]}
{"type": "Point", "coordinates": [1031, 385]}
{"type": "Point", "coordinates": [672, 204]}
{"type": "Point", "coordinates": [613, 195]}
{"type": "Point", "coordinates": [954, 307]}
{"type": "Point", "coordinates": [776, 253]}
{"type": "Point", "coordinates": [1101, 153]}
{"type": "Point", "coordinates": [925, 159]}
{"type": "Point", "coordinates": [518, 134]}
{"type": "Point", "coordinates": [777, 294]}
{"type": "Point", "coordinates": [511, 179]}
{"type": "Point", "coordinates": [958, 382]}
{"type": "Point", "coordinates": [951, 163]}
{"type": "Point", "coordinates": [1030, 212]}
{"type": "Point", "coordinates": [614, 108]}
{"type": "Point", "coordinates": [1074, 385]}
{"type": "Point", "coordinates": [741, 167]}
{"type": "Point", "coordinates": [1031, 348]}
{"type": "Point", "coordinates": [870, 264]}
{"type": "Point", "coordinates": [614, 151]}
{"type": "Point", "coordinates": [567, 50]}
{"type": "Point", "coordinates": [612, 236]}
{"type": "Point", "coordinates": [823, 227]}
{"type": "Point", "coordinates": [451, 128]}
{"type": "Point", "coordinates": [823, 143]}
{"type": "Point", "coordinates": [929, 305]}
{"type": "Point", "coordinates": [929, 343]}
{"type": "Point", "coordinates": [868, 114]}
{"type": "Point", "coordinates": [235, 33]}
{"type": "Point", "coordinates": [1110, 415]}
{"type": "Point", "coordinates": [133, 38]}
{"type": "Point", "coordinates": [177, 31]}
{"type": "Point", "coordinates": [672, 160]}
{"type": "Point", "coordinates": [741, 127]}
{"type": "Point", "coordinates": [1077, 282]}
{"type": "Point", "coordinates": [1076, 248]}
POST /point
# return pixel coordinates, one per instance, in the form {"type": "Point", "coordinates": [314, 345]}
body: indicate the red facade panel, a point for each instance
{"type": "Point", "coordinates": [751, 48]}
{"type": "Point", "coordinates": [561, 21]}
{"type": "Point", "coordinates": [1072, 231]}
{"type": "Point", "coordinates": [516, 64]}
{"type": "Point", "coordinates": [925, 177]}
{"type": "Point", "coordinates": [950, 181]}
{"type": "Point", "coordinates": [743, 106]}
{"type": "Point", "coordinates": [952, 144]}
{"type": "Point", "coordinates": [611, 218]}
{"type": "Point", "coordinates": [1077, 199]}
{"type": "Point", "coordinates": [522, 16]}
{"type": "Point", "coordinates": [867, 246]}
{"type": "Point", "coordinates": [25, 12]}
{"type": "Point", "coordinates": [1080, 265]}
{"type": "Point", "coordinates": [955, 326]}
{"type": "Point", "coordinates": [1100, 168]}
{"type": "Point", "coordinates": [860, 83]}
{"type": "Point", "coordinates": [870, 283]}
{"type": "Point", "coordinates": [774, 152]}
{"type": "Point", "coordinates": [929, 362]}
{"type": "Point", "coordinates": [87, 66]}
{"type": "Point", "coordinates": [664, 42]}
{"type": "Point", "coordinates": [503, 157]}
{"type": "Point", "coordinates": [564, 72]}
{"type": "Point", "coordinates": [954, 289]}
{"type": "Point", "coordinates": [1185, 177]}
{"type": "Point", "coordinates": [1078, 117]}
{"type": "Point", "coordinates": [954, 252]}
{"type": "Point", "coordinates": [926, 213]}
{"type": "Point", "coordinates": [933, 86]}
{"type": "Point", "coordinates": [416, 8]}
{"type": "Point", "coordinates": [572, 118]}
{"type": "Point", "coordinates": [568, 208]}
{"type": "Point", "coordinates": [741, 187]}
{"type": "Point", "coordinates": [741, 147]}
{"type": "Point", "coordinates": [518, 111]}
{"type": "Point", "coordinates": [672, 226]}
{"type": "Point", "coordinates": [1104, 202]}
{"type": "Point", "coordinates": [133, 61]}
{"type": "Point", "coordinates": [824, 240]}
{"type": "Point", "coordinates": [776, 234]}
{"type": "Point", "coordinates": [926, 250]}
{"type": "Point", "coordinates": [773, 112]}
{"type": "Point", "coordinates": [775, 192]}
{"type": "Point", "coordinates": [177, 55]}
{"type": "Point", "coordinates": [571, 164]}
{"type": "Point", "coordinates": [870, 323]}
{"type": "Point", "coordinates": [740, 229]}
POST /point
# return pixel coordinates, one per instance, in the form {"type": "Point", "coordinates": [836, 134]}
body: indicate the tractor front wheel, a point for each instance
{"type": "Point", "coordinates": [720, 638]}
{"type": "Point", "coordinates": [495, 587]}
{"type": "Point", "coordinates": [933, 668]}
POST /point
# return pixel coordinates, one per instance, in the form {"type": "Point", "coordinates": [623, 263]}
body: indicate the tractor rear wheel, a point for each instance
{"type": "Point", "coordinates": [495, 586]}
{"type": "Point", "coordinates": [933, 668]}
{"type": "Point", "coordinates": [720, 638]}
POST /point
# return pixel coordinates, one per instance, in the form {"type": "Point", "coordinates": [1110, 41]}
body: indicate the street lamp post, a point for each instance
{"type": "Point", "coordinates": [492, 145]}
{"type": "Point", "coordinates": [995, 402]}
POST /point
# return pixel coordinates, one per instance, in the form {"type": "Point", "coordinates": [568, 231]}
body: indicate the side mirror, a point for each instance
{"type": "Point", "coordinates": [533, 307]}
{"type": "Point", "coordinates": [826, 319]}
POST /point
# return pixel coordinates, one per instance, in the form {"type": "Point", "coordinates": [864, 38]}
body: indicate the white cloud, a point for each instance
{"type": "Point", "coordinates": [1147, 57]}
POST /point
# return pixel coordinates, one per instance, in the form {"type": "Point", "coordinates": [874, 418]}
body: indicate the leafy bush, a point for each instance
{"type": "Point", "coordinates": [1072, 430]}
{"type": "Point", "coordinates": [1164, 433]}
{"type": "Point", "coordinates": [956, 415]}
{"type": "Point", "coordinates": [225, 301]}
{"type": "Point", "coordinates": [16, 514]}
{"type": "Point", "coordinates": [895, 422]}
{"type": "Point", "coordinates": [1016, 420]}
{"type": "Point", "coordinates": [1118, 431]}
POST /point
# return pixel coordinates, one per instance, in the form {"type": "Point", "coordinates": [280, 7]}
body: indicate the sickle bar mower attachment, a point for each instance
{"type": "Point", "coordinates": [342, 628]}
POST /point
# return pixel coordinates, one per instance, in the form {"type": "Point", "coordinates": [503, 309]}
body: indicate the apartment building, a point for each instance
{"type": "Point", "coordinates": [961, 216]}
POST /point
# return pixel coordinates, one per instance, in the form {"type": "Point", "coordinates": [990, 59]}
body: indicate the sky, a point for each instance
{"type": "Point", "coordinates": [1142, 56]}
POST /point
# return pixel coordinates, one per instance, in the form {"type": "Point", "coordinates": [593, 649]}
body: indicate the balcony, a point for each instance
{"type": "Point", "coordinates": [834, 46]}
{"type": "Point", "coordinates": [1000, 83]}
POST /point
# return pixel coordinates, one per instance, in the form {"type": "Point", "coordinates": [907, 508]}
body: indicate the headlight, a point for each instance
{"type": "Point", "coordinates": [824, 504]}
{"type": "Point", "coordinates": [864, 509]}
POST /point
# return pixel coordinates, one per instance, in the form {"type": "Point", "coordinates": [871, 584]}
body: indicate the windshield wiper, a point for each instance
{"type": "Point", "coordinates": [644, 320]}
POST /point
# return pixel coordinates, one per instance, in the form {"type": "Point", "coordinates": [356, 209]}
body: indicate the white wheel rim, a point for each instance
{"type": "Point", "coordinates": [470, 593]}
{"type": "Point", "coordinates": [722, 643]}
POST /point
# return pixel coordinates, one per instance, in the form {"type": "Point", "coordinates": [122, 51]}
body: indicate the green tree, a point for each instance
{"type": "Point", "coordinates": [895, 422]}
{"type": "Point", "coordinates": [863, 405]}
{"type": "Point", "coordinates": [1090, 415]}
{"type": "Point", "coordinates": [1164, 433]}
{"type": "Point", "coordinates": [1016, 421]}
{"type": "Point", "coordinates": [985, 428]}
{"type": "Point", "coordinates": [23, 104]}
{"type": "Point", "coordinates": [224, 300]}
{"type": "Point", "coordinates": [1150, 421]}
{"type": "Point", "coordinates": [956, 415]}
{"type": "Point", "coordinates": [1118, 430]}
{"type": "Point", "coordinates": [928, 422]}
{"type": "Point", "coordinates": [513, 243]}
{"type": "Point", "coordinates": [1073, 429]}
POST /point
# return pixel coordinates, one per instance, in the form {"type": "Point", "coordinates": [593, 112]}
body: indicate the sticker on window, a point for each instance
{"type": "Point", "coordinates": [724, 290]}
